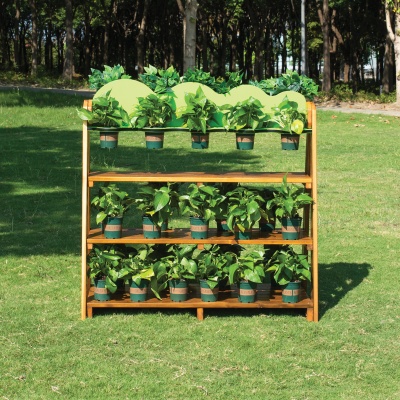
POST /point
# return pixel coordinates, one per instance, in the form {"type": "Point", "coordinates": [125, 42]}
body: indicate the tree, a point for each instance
{"type": "Point", "coordinates": [68, 70]}
{"type": "Point", "coordinates": [324, 18]}
{"type": "Point", "coordinates": [393, 28]}
{"type": "Point", "coordinates": [189, 15]}
{"type": "Point", "coordinates": [34, 41]}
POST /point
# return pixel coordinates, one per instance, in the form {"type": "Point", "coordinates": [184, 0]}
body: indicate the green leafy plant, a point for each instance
{"type": "Point", "coordinates": [159, 80]}
{"type": "Point", "coordinates": [198, 112]}
{"type": "Point", "coordinates": [249, 267]}
{"type": "Point", "coordinates": [290, 80]}
{"type": "Point", "coordinates": [138, 264]}
{"type": "Point", "coordinates": [243, 208]}
{"type": "Point", "coordinates": [200, 76]}
{"type": "Point", "coordinates": [110, 202]}
{"type": "Point", "coordinates": [245, 114]}
{"type": "Point", "coordinates": [213, 264]}
{"type": "Point", "coordinates": [152, 111]}
{"type": "Point", "coordinates": [288, 200]}
{"type": "Point", "coordinates": [104, 263]}
{"type": "Point", "coordinates": [289, 266]}
{"type": "Point", "coordinates": [287, 116]}
{"type": "Point", "coordinates": [106, 111]}
{"type": "Point", "coordinates": [100, 78]}
{"type": "Point", "coordinates": [157, 201]}
{"type": "Point", "coordinates": [202, 201]}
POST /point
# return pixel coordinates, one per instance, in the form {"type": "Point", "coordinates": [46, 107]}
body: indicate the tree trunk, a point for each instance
{"type": "Point", "coordinates": [394, 35]}
{"type": "Point", "coordinates": [34, 41]}
{"type": "Point", "coordinates": [189, 15]}
{"type": "Point", "coordinates": [387, 80]}
{"type": "Point", "coordinates": [140, 52]}
{"type": "Point", "coordinates": [324, 19]}
{"type": "Point", "coordinates": [68, 69]}
{"type": "Point", "coordinates": [17, 45]}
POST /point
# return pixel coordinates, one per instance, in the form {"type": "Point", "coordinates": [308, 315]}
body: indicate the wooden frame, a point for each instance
{"type": "Point", "coordinates": [308, 238]}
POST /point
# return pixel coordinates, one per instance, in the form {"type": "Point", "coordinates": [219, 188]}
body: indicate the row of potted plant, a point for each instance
{"type": "Point", "coordinates": [235, 208]}
{"type": "Point", "coordinates": [156, 112]}
{"type": "Point", "coordinates": [173, 267]}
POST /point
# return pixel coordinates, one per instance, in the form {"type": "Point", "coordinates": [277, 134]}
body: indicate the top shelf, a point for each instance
{"type": "Point", "coordinates": [242, 177]}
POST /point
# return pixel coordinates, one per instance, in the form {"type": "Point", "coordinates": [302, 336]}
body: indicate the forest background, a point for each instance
{"type": "Point", "coordinates": [348, 41]}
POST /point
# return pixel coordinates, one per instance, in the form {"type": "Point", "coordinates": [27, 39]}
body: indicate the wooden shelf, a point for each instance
{"type": "Point", "coordinates": [226, 300]}
{"type": "Point", "coordinates": [176, 236]}
{"type": "Point", "coordinates": [242, 177]}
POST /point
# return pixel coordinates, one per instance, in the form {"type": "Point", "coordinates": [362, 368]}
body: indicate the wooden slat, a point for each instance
{"type": "Point", "coordinates": [177, 236]}
{"type": "Point", "coordinates": [261, 177]}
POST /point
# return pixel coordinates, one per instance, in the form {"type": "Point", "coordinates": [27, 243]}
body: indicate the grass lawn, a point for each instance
{"type": "Point", "coordinates": [47, 352]}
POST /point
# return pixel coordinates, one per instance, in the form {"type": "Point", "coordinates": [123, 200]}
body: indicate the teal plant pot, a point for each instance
{"type": "Point", "coordinates": [291, 292]}
{"type": "Point", "coordinates": [101, 293]}
{"type": "Point", "coordinates": [222, 227]}
{"type": "Point", "coordinates": [247, 291]}
{"type": "Point", "coordinates": [291, 228]}
{"type": "Point", "coordinates": [200, 140]}
{"type": "Point", "coordinates": [178, 290]}
{"type": "Point", "coordinates": [108, 138]}
{"type": "Point", "coordinates": [266, 226]}
{"type": "Point", "coordinates": [207, 294]}
{"type": "Point", "coordinates": [154, 139]}
{"type": "Point", "coordinates": [290, 142]}
{"type": "Point", "coordinates": [138, 293]}
{"type": "Point", "coordinates": [198, 228]}
{"type": "Point", "coordinates": [239, 235]}
{"type": "Point", "coordinates": [113, 228]}
{"type": "Point", "coordinates": [244, 140]}
{"type": "Point", "coordinates": [150, 229]}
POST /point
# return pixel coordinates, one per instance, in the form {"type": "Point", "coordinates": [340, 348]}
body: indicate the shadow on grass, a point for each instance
{"type": "Point", "coordinates": [338, 279]}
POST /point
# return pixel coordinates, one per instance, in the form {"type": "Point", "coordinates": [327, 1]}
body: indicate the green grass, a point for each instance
{"type": "Point", "coordinates": [48, 352]}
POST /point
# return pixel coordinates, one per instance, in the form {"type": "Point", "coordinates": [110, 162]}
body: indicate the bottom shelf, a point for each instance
{"type": "Point", "coordinates": [226, 299]}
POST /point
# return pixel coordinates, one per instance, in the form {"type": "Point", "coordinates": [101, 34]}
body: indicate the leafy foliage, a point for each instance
{"type": "Point", "coordinates": [159, 80]}
{"type": "Point", "coordinates": [199, 111]}
{"type": "Point", "coordinates": [288, 200]}
{"type": "Point", "coordinates": [106, 111]}
{"type": "Point", "coordinates": [100, 78]}
{"type": "Point", "coordinates": [249, 267]}
{"type": "Point", "coordinates": [286, 113]}
{"type": "Point", "coordinates": [246, 114]}
{"type": "Point", "coordinates": [152, 111]}
{"type": "Point", "coordinates": [288, 266]}
{"type": "Point", "coordinates": [288, 81]}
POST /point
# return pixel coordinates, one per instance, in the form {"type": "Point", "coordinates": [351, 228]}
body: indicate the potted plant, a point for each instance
{"type": "Point", "coordinates": [222, 214]}
{"type": "Point", "coordinates": [197, 115]}
{"type": "Point", "coordinates": [202, 203]}
{"type": "Point", "coordinates": [246, 272]}
{"type": "Point", "coordinates": [174, 270]}
{"type": "Point", "coordinates": [136, 269]}
{"type": "Point", "coordinates": [288, 200]}
{"type": "Point", "coordinates": [107, 115]}
{"type": "Point", "coordinates": [243, 211]}
{"type": "Point", "coordinates": [152, 113]}
{"type": "Point", "coordinates": [267, 221]}
{"type": "Point", "coordinates": [104, 264]}
{"type": "Point", "coordinates": [100, 78]}
{"type": "Point", "coordinates": [157, 203]}
{"type": "Point", "coordinates": [289, 269]}
{"type": "Point", "coordinates": [111, 204]}
{"type": "Point", "coordinates": [245, 117]}
{"type": "Point", "coordinates": [212, 265]}
{"type": "Point", "coordinates": [287, 117]}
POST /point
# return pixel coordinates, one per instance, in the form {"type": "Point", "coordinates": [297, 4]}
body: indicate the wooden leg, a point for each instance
{"type": "Point", "coordinates": [200, 314]}
{"type": "Point", "coordinates": [310, 314]}
{"type": "Point", "coordinates": [90, 312]}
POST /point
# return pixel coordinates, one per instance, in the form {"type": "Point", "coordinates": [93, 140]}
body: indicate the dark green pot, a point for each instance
{"type": "Point", "coordinates": [178, 290]}
{"type": "Point", "coordinates": [154, 139]}
{"type": "Point", "coordinates": [150, 229]}
{"type": "Point", "coordinates": [222, 227]}
{"type": "Point", "coordinates": [138, 293]}
{"type": "Point", "coordinates": [247, 291]}
{"type": "Point", "coordinates": [200, 140]}
{"type": "Point", "coordinates": [101, 293]}
{"type": "Point", "coordinates": [266, 226]}
{"type": "Point", "coordinates": [244, 140]}
{"type": "Point", "coordinates": [239, 235]}
{"type": "Point", "coordinates": [113, 228]}
{"type": "Point", "coordinates": [198, 228]}
{"type": "Point", "coordinates": [108, 139]}
{"type": "Point", "coordinates": [290, 142]}
{"type": "Point", "coordinates": [291, 228]}
{"type": "Point", "coordinates": [207, 294]}
{"type": "Point", "coordinates": [291, 292]}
